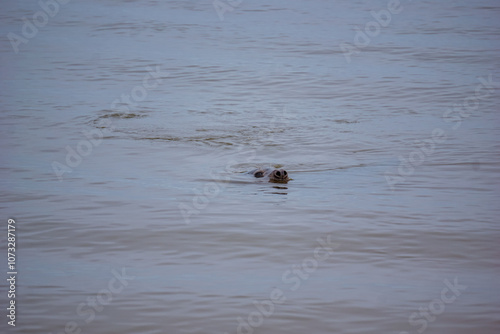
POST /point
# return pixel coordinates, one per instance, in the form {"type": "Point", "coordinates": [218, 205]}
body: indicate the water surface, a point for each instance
{"type": "Point", "coordinates": [178, 105]}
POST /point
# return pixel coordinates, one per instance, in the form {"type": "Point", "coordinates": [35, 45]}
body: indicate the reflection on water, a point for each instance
{"type": "Point", "coordinates": [156, 176]}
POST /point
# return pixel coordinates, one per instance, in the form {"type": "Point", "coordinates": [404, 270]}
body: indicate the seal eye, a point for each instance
{"type": "Point", "coordinates": [278, 174]}
{"type": "Point", "coordinates": [259, 174]}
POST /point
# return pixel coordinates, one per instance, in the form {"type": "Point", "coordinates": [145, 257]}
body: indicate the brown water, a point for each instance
{"type": "Point", "coordinates": [151, 225]}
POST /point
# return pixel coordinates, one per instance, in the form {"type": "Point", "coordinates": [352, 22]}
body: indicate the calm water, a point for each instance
{"type": "Point", "coordinates": [128, 128]}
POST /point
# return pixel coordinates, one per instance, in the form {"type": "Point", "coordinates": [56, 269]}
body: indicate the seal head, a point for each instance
{"type": "Point", "coordinates": [274, 175]}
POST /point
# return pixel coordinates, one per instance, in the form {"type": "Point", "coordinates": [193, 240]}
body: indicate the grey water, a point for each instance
{"type": "Point", "coordinates": [128, 129]}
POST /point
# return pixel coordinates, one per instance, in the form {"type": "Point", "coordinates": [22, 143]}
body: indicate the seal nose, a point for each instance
{"type": "Point", "coordinates": [281, 174]}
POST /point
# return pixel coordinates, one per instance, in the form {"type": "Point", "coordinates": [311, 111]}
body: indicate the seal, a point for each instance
{"type": "Point", "coordinates": [274, 175]}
